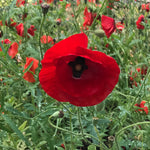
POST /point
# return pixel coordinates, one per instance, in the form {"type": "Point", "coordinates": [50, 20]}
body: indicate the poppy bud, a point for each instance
{"type": "Point", "coordinates": [61, 114]}
{"type": "Point", "coordinates": [1, 33]}
{"type": "Point", "coordinates": [58, 21]}
{"type": "Point", "coordinates": [45, 8]}
{"type": "Point", "coordinates": [100, 33]}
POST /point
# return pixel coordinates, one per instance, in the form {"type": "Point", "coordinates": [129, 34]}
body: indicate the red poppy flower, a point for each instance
{"type": "Point", "coordinates": [63, 146]}
{"type": "Point", "coordinates": [31, 30]}
{"type": "Point", "coordinates": [72, 73]}
{"type": "Point", "coordinates": [139, 21]}
{"type": "Point", "coordinates": [13, 50]}
{"type": "Point", "coordinates": [88, 17]}
{"type": "Point", "coordinates": [141, 105]}
{"type": "Point", "coordinates": [1, 24]}
{"type": "Point", "coordinates": [20, 30]}
{"type": "Point", "coordinates": [10, 23]}
{"type": "Point", "coordinates": [108, 25]}
{"type": "Point", "coordinates": [49, 1]}
{"type": "Point", "coordinates": [5, 41]}
{"type": "Point", "coordinates": [46, 39]}
{"type": "Point", "coordinates": [120, 26]}
{"type": "Point", "coordinates": [146, 7]}
{"type": "Point", "coordinates": [20, 3]}
{"type": "Point", "coordinates": [29, 74]}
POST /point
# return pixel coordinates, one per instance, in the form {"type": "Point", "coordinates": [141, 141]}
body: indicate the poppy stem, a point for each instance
{"type": "Point", "coordinates": [43, 18]}
{"type": "Point", "coordinates": [141, 87]}
{"type": "Point", "coordinates": [76, 134]}
{"type": "Point", "coordinates": [120, 131]}
{"type": "Point", "coordinates": [101, 8]}
{"type": "Point", "coordinates": [79, 119]}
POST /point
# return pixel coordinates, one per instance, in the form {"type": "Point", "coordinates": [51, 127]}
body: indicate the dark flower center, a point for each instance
{"type": "Point", "coordinates": [78, 66]}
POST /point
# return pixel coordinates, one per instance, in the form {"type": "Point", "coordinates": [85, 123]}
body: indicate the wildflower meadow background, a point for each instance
{"type": "Point", "coordinates": [74, 75]}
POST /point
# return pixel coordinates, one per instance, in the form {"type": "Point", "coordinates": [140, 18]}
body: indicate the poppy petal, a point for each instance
{"type": "Point", "coordinates": [66, 46]}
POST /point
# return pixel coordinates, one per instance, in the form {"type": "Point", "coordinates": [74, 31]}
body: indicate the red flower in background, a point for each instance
{"type": "Point", "coordinates": [120, 26]}
{"type": "Point", "coordinates": [139, 21]}
{"type": "Point", "coordinates": [29, 74]}
{"type": "Point", "coordinates": [146, 7]}
{"type": "Point", "coordinates": [141, 105]}
{"type": "Point", "coordinates": [10, 23]}
{"type": "Point", "coordinates": [72, 73]}
{"type": "Point", "coordinates": [108, 25]}
{"type": "Point", "coordinates": [89, 17]}
{"type": "Point", "coordinates": [1, 24]}
{"type": "Point", "coordinates": [20, 3]}
{"type": "Point", "coordinates": [31, 30]}
{"type": "Point", "coordinates": [46, 39]}
{"type": "Point", "coordinates": [63, 146]}
{"type": "Point", "coordinates": [5, 41]}
{"type": "Point", "coordinates": [13, 50]}
{"type": "Point", "coordinates": [20, 30]}
{"type": "Point", "coordinates": [49, 1]}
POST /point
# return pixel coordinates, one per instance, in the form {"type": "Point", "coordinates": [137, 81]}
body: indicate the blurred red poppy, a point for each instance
{"type": "Point", "coordinates": [29, 74]}
{"type": "Point", "coordinates": [139, 21]}
{"type": "Point", "coordinates": [146, 7]}
{"type": "Point", "coordinates": [120, 26]}
{"type": "Point", "coordinates": [13, 50]}
{"type": "Point", "coordinates": [46, 39]}
{"type": "Point", "coordinates": [20, 3]}
{"type": "Point", "coordinates": [108, 25]}
{"type": "Point", "coordinates": [89, 17]}
{"type": "Point", "coordinates": [31, 30]}
{"type": "Point", "coordinates": [10, 23]}
{"type": "Point", "coordinates": [20, 30]}
{"type": "Point", "coordinates": [72, 73]}
{"type": "Point", "coordinates": [141, 105]}
{"type": "Point", "coordinates": [5, 41]}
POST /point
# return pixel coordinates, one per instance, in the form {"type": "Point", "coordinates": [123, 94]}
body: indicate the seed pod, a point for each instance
{"type": "Point", "coordinates": [100, 33]}
{"type": "Point", "coordinates": [45, 8]}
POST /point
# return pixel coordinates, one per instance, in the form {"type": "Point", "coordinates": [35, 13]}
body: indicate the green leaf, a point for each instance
{"type": "Point", "coordinates": [2, 47]}
{"type": "Point", "coordinates": [27, 69]}
{"type": "Point", "coordinates": [15, 129]}
{"type": "Point", "coordinates": [41, 143]}
{"type": "Point", "coordinates": [91, 147]}
{"type": "Point", "coordinates": [22, 126]}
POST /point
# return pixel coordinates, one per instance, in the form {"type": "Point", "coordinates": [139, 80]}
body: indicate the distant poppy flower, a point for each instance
{"type": "Point", "coordinates": [72, 73]}
{"type": "Point", "coordinates": [20, 3]}
{"type": "Point", "coordinates": [1, 24]}
{"type": "Point", "coordinates": [78, 2]}
{"type": "Point", "coordinates": [68, 5]}
{"type": "Point", "coordinates": [63, 146]}
{"type": "Point", "coordinates": [20, 30]}
{"type": "Point", "coordinates": [10, 23]}
{"type": "Point", "coordinates": [58, 21]}
{"type": "Point", "coordinates": [29, 74]}
{"type": "Point", "coordinates": [89, 17]}
{"type": "Point", "coordinates": [5, 41]}
{"type": "Point", "coordinates": [146, 7]}
{"type": "Point", "coordinates": [139, 21]}
{"type": "Point", "coordinates": [46, 39]}
{"type": "Point", "coordinates": [120, 26]}
{"type": "Point", "coordinates": [31, 30]}
{"type": "Point", "coordinates": [49, 1]}
{"type": "Point", "coordinates": [108, 25]}
{"type": "Point", "coordinates": [13, 50]}
{"type": "Point", "coordinates": [141, 105]}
